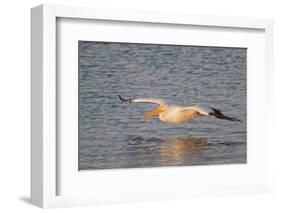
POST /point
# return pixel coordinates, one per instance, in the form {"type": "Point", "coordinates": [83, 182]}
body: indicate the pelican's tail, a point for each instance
{"type": "Point", "coordinates": [218, 114]}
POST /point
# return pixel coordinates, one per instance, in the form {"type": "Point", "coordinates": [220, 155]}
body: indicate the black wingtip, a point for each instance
{"type": "Point", "coordinates": [121, 99]}
{"type": "Point", "coordinates": [218, 114]}
{"type": "Point", "coordinates": [216, 111]}
{"type": "Point", "coordinates": [124, 100]}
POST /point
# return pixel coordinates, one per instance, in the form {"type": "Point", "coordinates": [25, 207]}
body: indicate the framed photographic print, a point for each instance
{"type": "Point", "coordinates": [132, 106]}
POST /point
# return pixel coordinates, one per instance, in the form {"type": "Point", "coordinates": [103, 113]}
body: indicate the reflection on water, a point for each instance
{"type": "Point", "coordinates": [140, 152]}
{"type": "Point", "coordinates": [177, 151]}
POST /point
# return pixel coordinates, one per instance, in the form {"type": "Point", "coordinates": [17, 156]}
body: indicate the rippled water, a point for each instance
{"type": "Point", "coordinates": [113, 134]}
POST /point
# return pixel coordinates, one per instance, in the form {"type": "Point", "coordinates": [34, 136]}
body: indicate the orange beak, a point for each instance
{"type": "Point", "coordinates": [154, 112]}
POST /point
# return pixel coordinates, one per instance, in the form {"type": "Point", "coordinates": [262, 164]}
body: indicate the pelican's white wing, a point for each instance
{"type": "Point", "coordinates": [197, 109]}
{"type": "Point", "coordinates": [149, 100]}
{"type": "Point", "coordinates": [143, 100]}
{"type": "Point", "coordinates": [212, 112]}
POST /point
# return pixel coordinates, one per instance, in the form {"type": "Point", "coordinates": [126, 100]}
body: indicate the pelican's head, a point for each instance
{"type": "Point", "coordinates": [158, 110]}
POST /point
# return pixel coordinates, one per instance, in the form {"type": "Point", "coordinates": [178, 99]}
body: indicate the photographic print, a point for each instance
{"type": "Point", "coordinates": [160, 105]}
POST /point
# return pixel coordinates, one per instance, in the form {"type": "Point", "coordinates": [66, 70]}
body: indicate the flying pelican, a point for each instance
{"type": "Point", "coordinates": [177, 114]}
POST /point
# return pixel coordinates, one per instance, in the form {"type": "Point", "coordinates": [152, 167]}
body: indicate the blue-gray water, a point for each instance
{"type": "Point", "coordinates": [112, 134]}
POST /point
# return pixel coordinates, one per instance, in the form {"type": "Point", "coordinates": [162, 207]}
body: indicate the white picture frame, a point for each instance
{"type": "Point", "coordinates": [45, 168]}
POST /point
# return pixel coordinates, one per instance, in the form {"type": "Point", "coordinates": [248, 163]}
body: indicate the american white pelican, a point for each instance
{"type": "Point", "coordinates": [177, 114]}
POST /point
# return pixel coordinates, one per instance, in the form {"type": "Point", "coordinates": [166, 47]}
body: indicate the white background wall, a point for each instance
{"type": "Point", "coordinates": [14, 107]}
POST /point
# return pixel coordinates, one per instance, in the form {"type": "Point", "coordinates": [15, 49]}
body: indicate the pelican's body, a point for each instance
{"type": "Point", "coordinates": [177, 114]}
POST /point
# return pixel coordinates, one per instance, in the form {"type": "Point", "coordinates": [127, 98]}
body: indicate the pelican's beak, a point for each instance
{"type": "Point", "coordinates": [154, 112]}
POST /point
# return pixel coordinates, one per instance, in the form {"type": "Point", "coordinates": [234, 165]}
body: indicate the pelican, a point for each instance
{"type": "Point", "coordinates": [177, 114]}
